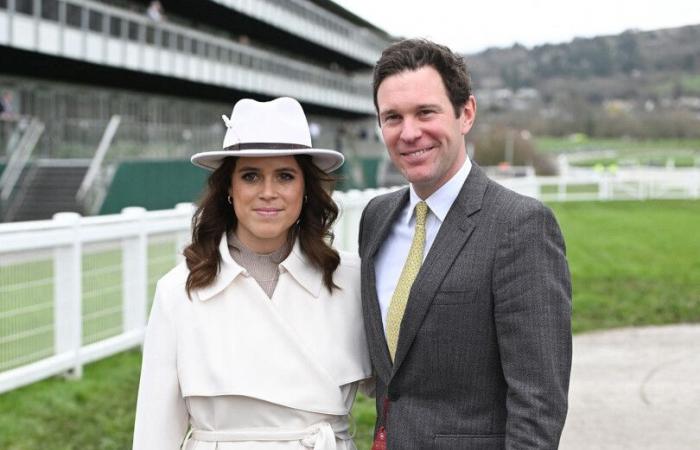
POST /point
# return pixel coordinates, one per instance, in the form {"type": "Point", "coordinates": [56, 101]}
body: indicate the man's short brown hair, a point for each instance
{"type": "Point", "coordinates": [413, 54]}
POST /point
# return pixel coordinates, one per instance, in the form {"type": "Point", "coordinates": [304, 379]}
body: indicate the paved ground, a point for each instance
{"type": "Point", "coordinates": [636, 388]}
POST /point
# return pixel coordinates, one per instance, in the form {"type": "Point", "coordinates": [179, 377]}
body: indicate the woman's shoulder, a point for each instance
{"type": "Point", "coordinates": [349, 260]}
{"type": "Point", "coordinates": [347, 275]}
{"type": "Point", "coordinates": [174, 280]}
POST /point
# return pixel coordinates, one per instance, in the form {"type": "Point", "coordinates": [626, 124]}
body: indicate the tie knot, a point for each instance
{"type": "Point", "coordinates": [421, 213]}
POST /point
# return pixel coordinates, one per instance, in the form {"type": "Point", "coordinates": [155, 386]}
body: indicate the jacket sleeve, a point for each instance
{"type": "Point", "coordinates": [161, 414]}
{"type": "Point", "coordinates": [532, 308]}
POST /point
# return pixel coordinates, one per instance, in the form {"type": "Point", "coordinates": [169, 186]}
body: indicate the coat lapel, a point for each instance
{"type": "Point", "coordinates": [453, 235]}
{"type": "Point", "coordinates": [382, 223]}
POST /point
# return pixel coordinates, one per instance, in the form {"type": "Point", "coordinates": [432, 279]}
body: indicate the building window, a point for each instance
{"type": "Point", "coordinates": [73, 15]}
{"type": "Point", "coordinates": [133, 31]}
{"type": "Point", "coordinates": [49, 10]}
{"type": "Point", "coordinates": [115, 27]}
{"type": "Point", "coordinates": [95, 21]}
{"type": "Point", "coordinates": [165, 39]}
{"type": "Point", "coordinates": [150, 35]}
{"type": "Point", "coordinates": [180, 43]}
{"type": "Point", "coordinates": [24, 6]}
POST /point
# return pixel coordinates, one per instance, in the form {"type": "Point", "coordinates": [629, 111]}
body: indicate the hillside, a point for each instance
{"type": "Point", "coordinates": [583, 85]}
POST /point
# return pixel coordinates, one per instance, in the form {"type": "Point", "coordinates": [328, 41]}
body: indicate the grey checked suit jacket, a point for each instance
{"type": "Point", "coordinates": [484, 350]}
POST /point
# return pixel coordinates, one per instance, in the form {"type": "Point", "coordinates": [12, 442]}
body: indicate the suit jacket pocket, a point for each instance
{"type": "Point", "coordinates": [465, 296]}
{"type": "Point", "coordinates": [469, 442]}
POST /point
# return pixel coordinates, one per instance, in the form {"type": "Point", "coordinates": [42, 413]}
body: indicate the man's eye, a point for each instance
{"type": "Point", "coordinates": [390, 118]}
{"type": "Point", "coordinates": [426, 112]}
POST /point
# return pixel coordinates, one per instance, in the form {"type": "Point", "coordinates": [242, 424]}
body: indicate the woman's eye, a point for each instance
{"type": "Point", "coordinates": [286, 176]}
{"type": "Point", "coordinates": [249, 176]}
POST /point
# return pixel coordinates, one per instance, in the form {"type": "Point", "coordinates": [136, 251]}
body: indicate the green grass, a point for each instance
{"type": "Point", "coordinates": [550, 189]}
{"type": "Point", "coordinates": [690, 85]}
{"type": "Point", "coordinates": [96, 412]}
{"type": "Point", "coordinates": [655, 159]}
{"type": "Point", "coordinates": [549, 144]}
{"type": "Point", "coordinates": [632, 263]}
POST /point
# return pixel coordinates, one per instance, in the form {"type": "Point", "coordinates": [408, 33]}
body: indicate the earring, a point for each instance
{"type": "Point", "coordinates": [229, 200]}
{"type": "Point", "coordinates": [306, 198]}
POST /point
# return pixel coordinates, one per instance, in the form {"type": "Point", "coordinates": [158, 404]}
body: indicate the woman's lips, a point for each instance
{"type": "Point", "coordinates": [267, 212]}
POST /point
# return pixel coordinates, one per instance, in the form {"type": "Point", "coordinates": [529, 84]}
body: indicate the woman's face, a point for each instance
{"type": "Point", "coordinates": [267, 195]}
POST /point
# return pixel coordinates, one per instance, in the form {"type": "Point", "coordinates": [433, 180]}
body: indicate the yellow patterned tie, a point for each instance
{"type": "Point", "coordinates": [408, 274]}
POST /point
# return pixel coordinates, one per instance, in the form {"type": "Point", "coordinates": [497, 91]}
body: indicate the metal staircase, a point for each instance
{"type": "Point", "coordinates": [45, 188]}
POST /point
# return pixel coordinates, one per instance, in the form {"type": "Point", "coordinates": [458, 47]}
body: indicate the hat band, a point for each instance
{"type": "Point", "coordinates": [266, 146]}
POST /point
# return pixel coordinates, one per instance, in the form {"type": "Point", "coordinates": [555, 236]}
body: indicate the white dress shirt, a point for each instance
{"type": "Point", "coordinates": [393, 253]}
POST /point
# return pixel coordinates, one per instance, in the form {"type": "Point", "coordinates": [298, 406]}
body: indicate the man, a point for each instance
{"type": "Point", "coordinates": [468, 315]}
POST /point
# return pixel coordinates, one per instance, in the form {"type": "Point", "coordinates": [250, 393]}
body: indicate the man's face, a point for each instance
{"type": "Point", "coordinates": [424, 138]}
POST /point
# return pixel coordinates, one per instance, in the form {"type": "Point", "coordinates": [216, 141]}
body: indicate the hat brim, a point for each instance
{"type": "Point", "coordinates": [326, 160]}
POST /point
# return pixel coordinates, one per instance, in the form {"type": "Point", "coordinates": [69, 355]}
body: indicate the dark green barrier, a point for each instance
{"type": "Point", "coordinates": [369, 172]}
{"type": "Point", "coordinates": [154, 185]}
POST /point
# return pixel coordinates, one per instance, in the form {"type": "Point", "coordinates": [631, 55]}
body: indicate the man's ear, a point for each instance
{"type": "Point", "coordinates": [468, 114]}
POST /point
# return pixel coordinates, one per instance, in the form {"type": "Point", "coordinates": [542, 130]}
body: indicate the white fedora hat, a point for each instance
{"type": "Point", "coordinates": [274, 128]}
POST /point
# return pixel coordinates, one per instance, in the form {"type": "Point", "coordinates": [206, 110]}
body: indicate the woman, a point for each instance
{"type": "Point", "coordinates": [256, 341]}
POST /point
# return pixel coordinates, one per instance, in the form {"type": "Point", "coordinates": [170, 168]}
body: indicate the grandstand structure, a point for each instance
{"type": "Point", "coordinates": [104, 101]}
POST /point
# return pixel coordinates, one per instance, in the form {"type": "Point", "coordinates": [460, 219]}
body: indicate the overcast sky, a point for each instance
{"type": "Point", "coordinates": [469, 26]}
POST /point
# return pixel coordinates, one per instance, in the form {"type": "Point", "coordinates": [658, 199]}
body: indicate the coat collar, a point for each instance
{"type": "Point", "coordinates": [296, 263]}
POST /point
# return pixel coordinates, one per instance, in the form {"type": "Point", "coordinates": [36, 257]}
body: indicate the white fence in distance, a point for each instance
{"type": "Point", "coordinates": [77, 289]}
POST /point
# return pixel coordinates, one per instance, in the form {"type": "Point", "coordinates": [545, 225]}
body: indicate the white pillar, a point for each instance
{"type": "Point", "coordinates": [67, 285]}
{"type": "Point", "coordinates": [134, 272]}
{"type": "Point", "coordinates": [183, 238]}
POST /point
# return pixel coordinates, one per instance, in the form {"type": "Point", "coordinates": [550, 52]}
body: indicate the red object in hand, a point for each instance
{"type": "Point", "coordinates": [379, 440]}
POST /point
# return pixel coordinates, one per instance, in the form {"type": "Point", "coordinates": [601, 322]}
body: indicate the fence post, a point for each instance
{"type": "Point", "coordinates": [183, 239]}
{"type": "Point", "coordinates": [67, 285]}
{"type": "Point", "coordinates": [603, 187]}
{"type": "Point", "coordinates": [561, 187]}
{"type": "Point", "coordinates": [134, 271]}
{"type": "Point", "coordinates": [352, 203]}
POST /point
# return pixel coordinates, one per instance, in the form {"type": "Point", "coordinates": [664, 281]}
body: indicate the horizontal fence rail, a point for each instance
{"type": "Point", "coordinates": [77, 289]}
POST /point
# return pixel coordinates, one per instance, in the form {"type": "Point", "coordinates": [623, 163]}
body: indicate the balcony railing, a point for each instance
{"type": "Point", "coordinates": [102, 34]}
{"type": "Point", "coordinates": [306, 19]}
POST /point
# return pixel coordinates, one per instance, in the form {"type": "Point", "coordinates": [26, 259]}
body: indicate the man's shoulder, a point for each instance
{"type": "Point", "coordinates": [507, 204]}
{"type": "Point", "coordinates": [382, 201]}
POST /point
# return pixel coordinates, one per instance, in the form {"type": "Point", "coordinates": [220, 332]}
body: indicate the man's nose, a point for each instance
{"type": "Point", "coordinates": [410, 130]}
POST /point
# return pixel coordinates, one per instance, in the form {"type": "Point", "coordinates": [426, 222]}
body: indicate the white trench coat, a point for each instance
{"type": "Point", "coordinates": [243, 371]}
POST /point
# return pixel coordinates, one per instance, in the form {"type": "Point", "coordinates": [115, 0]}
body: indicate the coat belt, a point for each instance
{"type": "Point", "coordinates": [320, 436]}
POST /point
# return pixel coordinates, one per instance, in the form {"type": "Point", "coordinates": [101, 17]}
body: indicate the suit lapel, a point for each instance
{"type": "Point", "coordinates": [382, 222]}
{"type": "Point", "coordinates": [453, 235]}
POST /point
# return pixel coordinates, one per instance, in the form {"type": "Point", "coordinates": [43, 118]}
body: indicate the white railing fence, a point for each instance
{"type": "Point", "coordinates": [77, 289]}
{"type": "Point", "coordinates": [636, 183]}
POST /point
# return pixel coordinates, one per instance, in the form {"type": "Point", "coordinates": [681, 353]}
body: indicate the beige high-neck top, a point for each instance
{"type": "Point", "coordinates": [264, 268]}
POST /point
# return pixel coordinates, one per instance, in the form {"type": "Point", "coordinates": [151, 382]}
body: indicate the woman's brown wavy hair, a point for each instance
{"type": "Point", "coordinates": [215, 216]}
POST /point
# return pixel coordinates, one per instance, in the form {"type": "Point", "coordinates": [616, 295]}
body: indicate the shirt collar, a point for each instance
{"type": "Point", "coordinates": [303, 271]}
{"type": "Point", "coordinates": [298, 266]}
{"type": "Point", "coordinates": [440, 202]}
